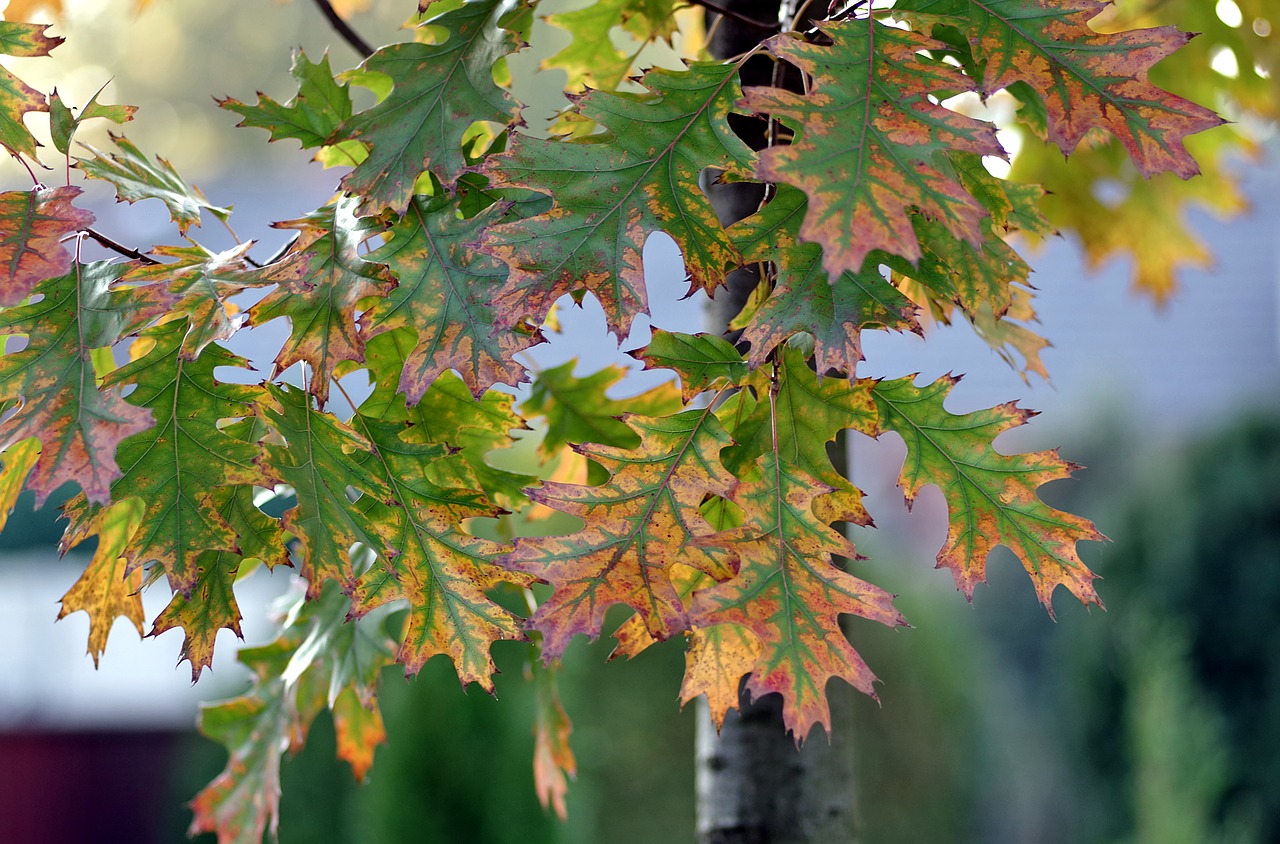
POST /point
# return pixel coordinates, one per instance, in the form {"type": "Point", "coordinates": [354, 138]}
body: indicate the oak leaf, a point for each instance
{"type": "Point", "coordinates": [106, 590]}
{"type": "Point", "coordinates": [33, 225]}
{"type": "Point", "coordinates": [17, 98]}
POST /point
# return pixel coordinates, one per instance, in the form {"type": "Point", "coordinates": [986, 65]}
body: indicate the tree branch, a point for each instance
{"type": "Point", "coordinates": [119, 247]}
{"type": "Point", "coordinates": [344, 29]}
{"type": "Point", "coordinates": [737, 16]}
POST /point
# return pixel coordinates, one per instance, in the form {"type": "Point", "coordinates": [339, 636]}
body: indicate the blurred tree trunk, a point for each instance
{"type": "Point", "coordinates": [754, 786]}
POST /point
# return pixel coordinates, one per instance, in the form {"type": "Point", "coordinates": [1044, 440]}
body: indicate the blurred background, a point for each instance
{"type": "Point", "coordinates": [1157, 720]}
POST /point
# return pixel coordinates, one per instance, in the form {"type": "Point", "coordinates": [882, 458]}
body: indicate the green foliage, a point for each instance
{"type": "Point", "coordinates": [452, 240]}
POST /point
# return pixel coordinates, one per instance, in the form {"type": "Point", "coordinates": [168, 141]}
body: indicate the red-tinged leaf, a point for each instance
{"type": "Point", "coordinates": [135, 178]}
{"type": "Point", "coordinates": [611, 192]}
{"type": "Point", "coordinates": [18, 460]}
{"type": "Point", "coordinates": [54, 387]}
{"type": "Point", "coordinates": [789, 594]}
{"type": "Point", "coordinates": [314, 113]}
{"type": "Point", "coordinates": [870, 138]}
{"type": "Point", "coordinates": [32, 226]}
{"type": "Point", "coordinates": [441, 570]}
{"type": "Point", "coordinates": [322, 459]}
{"type": "Point", "coordinates": [638, 526]}
{"type": "Point", "coordinates": [198, 283]}
{"type": "Point", "coordinates": [577, 410]}
{"type": "Point", "coordinates": [178, 467]}
{"type": "Point", "coordinates": [718, 658]}
{"type": "Point", "coordinates": [1086, 79]}
{"type": "Point", "coordinates": [257, 728]}
{"type": "Point", "coordinates": [991, 497]}
{"type": "Point", "coordinates": [448, 414]}
{"type": "Point", "coordinates": [440, 89]}
{"type": "Point", "coordinates": [807, 415]}
{"type": "Point", "coordinates": [16, 97]}
{"type": "Point", "coordinates": [322, 281]}
{"type": "Point", "coordinates": [63, 123]}
{"type": "Point", "coordinates": [806, 299]}
{"type": "Point", "coordinates": [106, 591]}
{"type": "Point", "coordinates": [703, 361]}
{"type": "Point", "coordinates": [553, 761]}
{"type": "Point", "coordinates": [444, 295]}
{"type": "Point", "coordinates": [592, 59]}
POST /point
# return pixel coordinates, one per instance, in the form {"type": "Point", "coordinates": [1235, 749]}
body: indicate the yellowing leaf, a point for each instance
{"type": "Point", "coordinates": [107, 590]}
{"type": "Point", "coordinates": [592, 59]}
{"type": "Point", "coordinates": [553, 761]}
{"type": "Point", "coordinates": [991, 497]}
{"type": "Point", "coordinates": [868, 152]}
{"type": "Point", "coordinates": [16, 97]}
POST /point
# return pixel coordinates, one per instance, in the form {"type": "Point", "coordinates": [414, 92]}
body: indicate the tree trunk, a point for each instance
{"type": "Point", "coordinates": [754, 786]}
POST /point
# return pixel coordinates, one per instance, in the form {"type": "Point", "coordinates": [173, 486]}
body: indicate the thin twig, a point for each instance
{"type": "Point", "coordinates": [344, 29]}
{"type": "Point", "coordinates": [119, 247]}
{"type": "Point", "coordinates": [738, 16]}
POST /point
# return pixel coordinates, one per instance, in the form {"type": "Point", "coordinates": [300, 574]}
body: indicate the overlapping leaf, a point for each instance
{"type": "Point", "coordinates": [807, 414]}
{"type": "Point", "coordinates": [703, 361]}
{"type": "Point", "coordinates": [592, 58]}
{"type": "Point", "coordinates": [870, 138]}
{"type": "Point", "coordinates": [805, 299]}
{"type": "Point", "coordinates": [789, 594]}
{"type": "Point", "coordinates": [444, 295]}
{"type": "Point", "coordinates": [612, 192]}
{"type": "Point", "coordinates": [32, 226]}
{"type": "Point", "coordinates": [1086, 79]}
{"type": "Point", "coordinates": [16, 97]}
{"type": "Point", "coordinates": [53, 387]}
{"type": "Point", "coordinates": [321, 459]}
{"type": "Point", "coordinates": [322, 279]}
{"type": "Point", "coordinates": [178, 466]}
{"type": "Point", "coordinates": [439, 90]}
{"type": "Point", "coordinates": [136, 178]}
{"type": "Point", "coordinates": [991, 497]}
{"type": "Point", "coordinates": [441, 570]}
{"type": "Point", "coordinates": [64, 123]}
{"type": "Point", "coordinates": [638, 526]}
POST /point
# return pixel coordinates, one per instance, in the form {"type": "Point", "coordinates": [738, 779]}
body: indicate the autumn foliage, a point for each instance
{"type": "Point", "coordinates": [712, 511]}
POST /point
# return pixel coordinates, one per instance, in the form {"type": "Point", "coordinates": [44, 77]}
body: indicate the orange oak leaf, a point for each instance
{"type": "Point", "coordinates": [639, 525]}
{"type": "Point", "coordinates": [32, 226]}
{"type": "Point", "coordinates": [991, 497]}
{"type": "Point", "coordinates": [789, 594]}
{"type": "Point", "coordinates": [553, 760]}
{"type": "Point", "coordinates": [106, 591]}
{"type": "Point", "coordinates": [714, 665]}
{"type": "Point", "coordinates": [870, 134]}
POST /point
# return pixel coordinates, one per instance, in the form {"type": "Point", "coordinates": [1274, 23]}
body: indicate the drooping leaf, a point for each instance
{"type": "Point", "coordinates": [16, 97]}
{"type": "Point", "coordinates": [718, 658]}
{"type": "Point", "coordinates": [991, 497]}
{"type": "Point", "coordinates": [870, 138]}
{"type": "Point", "coordinates": [1086, 79]}
{"type": "Point", "coordinates": [809, 414]}
{"type": "Point", "coordinates": [54, 387]}
{"type": "Point", "coordinates": [135, 178]}
{"type": "Point", "coordinates": [322, 281]}
{"type": "Point", "coordinates": [311, 117]}
{"type": "Point", "coordinates": [106, 591]}
{"type": "Point", "coordinates": [592, 59]}
{"type": "Point", "coordinates": [638, 525]}
{"type": "Point", "coordinates": [450, 415]}
{"type": "Point", "coordinates": [553, 761]}
{"type": "Point", "coordinates": [441, 570]}
{"type": "Point", "coordinates": [577, 409]}
{"type": "Point", "coordinates": [611, 192]}
{"type": "Point", "coordinates": [178, 466]}
{"type": "Point", "coordinates": [18, 460]}
{"type": "Point", "coordinates": [703, 361]}
{"type": "Point", "coordinates": [32, 226]}
{"type": "Point", "coordinates": [63, 123]}
{"type": "Point", "coordinates": [440, 89]}
{"type": "Point", "coordinates": [805, 299]}
{"type": "Point", "coordinates": [789, 594]}
{"type": "Point", "coordinates": [444, 295]}
{"type": "Point", "coordinates": [197, 283]}
{"type": "Point", "coordinates": [321, 459]}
